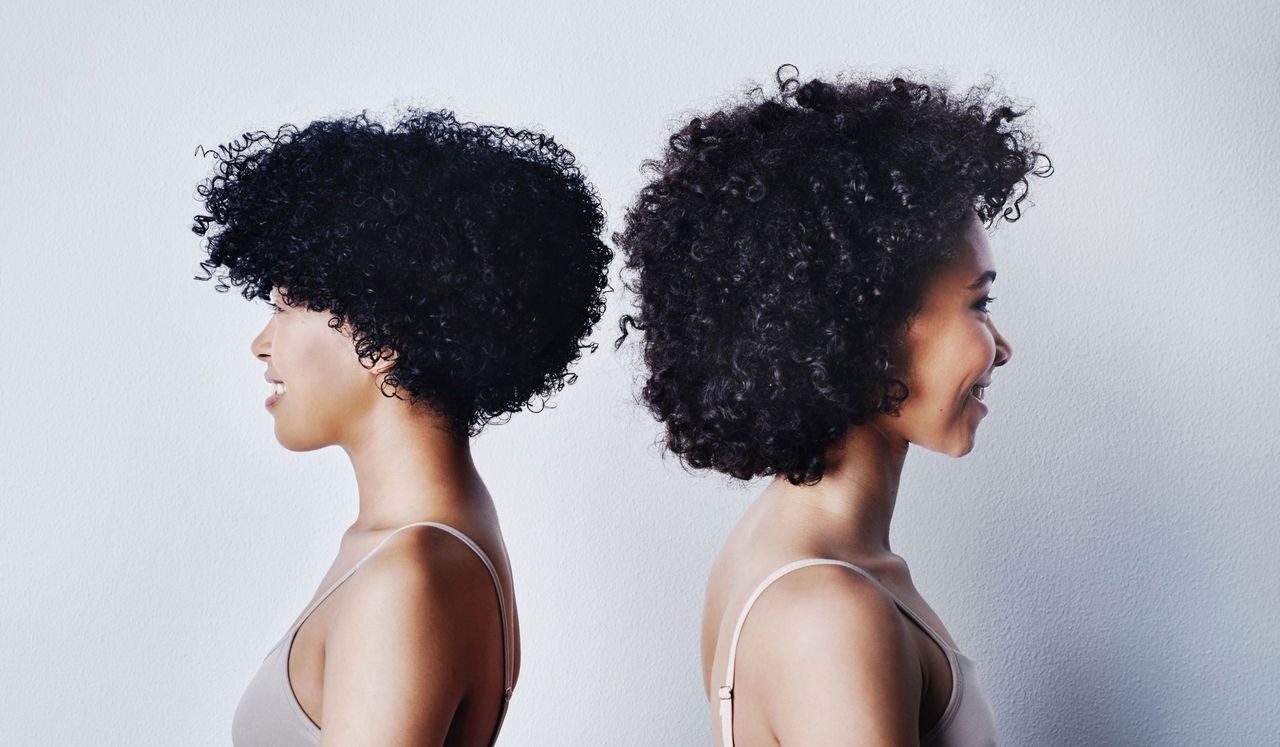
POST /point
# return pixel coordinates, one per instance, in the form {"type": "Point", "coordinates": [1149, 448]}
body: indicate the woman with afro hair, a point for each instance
{"type": "Point", "coordinates": [811, 272]}
{"type": "Point", "coordinates": [425, 279]}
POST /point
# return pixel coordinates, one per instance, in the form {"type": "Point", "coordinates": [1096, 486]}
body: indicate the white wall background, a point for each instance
{"type": "Point", "coordinates": [1108, 551]}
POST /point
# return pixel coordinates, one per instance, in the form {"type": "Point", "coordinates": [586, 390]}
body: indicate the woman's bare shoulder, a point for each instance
{"type": "Point", "coordinates": [842, 665]}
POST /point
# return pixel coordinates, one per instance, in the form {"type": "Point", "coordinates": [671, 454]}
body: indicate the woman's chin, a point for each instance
{"type": "Point", "coordinates": [293, 441]}
{"type": "Point", "coordinates": [962, 443]}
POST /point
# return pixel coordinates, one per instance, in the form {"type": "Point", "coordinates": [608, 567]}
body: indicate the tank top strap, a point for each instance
{"type": "Point", "coordinates": [508, 642]}
{"type": "Point", "coordinates": [725, 692]}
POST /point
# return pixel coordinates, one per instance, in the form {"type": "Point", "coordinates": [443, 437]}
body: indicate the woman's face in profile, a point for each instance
{"type": "Point", "coordinates": [325, 388]}
{"type": "Point", "coordinates": [950, 346]}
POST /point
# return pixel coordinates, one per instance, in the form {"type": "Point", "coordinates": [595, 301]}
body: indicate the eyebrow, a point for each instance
{"type": "Point", "coordinates": [988, 275]}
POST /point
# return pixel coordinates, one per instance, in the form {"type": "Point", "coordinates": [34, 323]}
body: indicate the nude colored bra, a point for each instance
{"type": "Point", "coordinates": [968, 720]}
{"type": "Point", "coordinates": [269, 713]}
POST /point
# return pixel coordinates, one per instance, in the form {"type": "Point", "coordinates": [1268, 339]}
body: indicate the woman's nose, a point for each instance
{"type": "Point", "coordinates": [1004, 351]}
{"type": "Point", "coordinates": [261, 345]}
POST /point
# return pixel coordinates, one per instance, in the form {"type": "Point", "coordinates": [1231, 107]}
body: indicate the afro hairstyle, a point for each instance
{"type": "Point", "coordinates": [470, 255]}
{"type": "Point", "coordinates": [780, 246]}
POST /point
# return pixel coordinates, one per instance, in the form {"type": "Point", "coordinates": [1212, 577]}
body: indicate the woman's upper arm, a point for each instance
{"type": "Point", "coordinates": [847, 671]}
{"type": "Point", "coordinates": [398, 656]}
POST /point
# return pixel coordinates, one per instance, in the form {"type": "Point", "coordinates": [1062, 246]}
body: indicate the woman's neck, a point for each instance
{"type": "Point", "coordinates": [851, 507]}
{"type": "Point", "coordinates": [410, 468]}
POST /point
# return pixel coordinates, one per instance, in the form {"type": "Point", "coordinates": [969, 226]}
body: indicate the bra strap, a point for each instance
{"type": "Point", "coordinates": [508, 642]}
{"type": "Point", "coordinates": [725, 692]}
{"type": "Point", "coordinates": [507, 629]}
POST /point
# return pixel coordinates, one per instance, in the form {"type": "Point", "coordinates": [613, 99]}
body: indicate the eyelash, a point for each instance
{"type": "Point", "coordinates": [983, 303]}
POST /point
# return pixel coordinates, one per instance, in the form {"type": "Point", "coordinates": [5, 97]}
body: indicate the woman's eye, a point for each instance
{"type": "Point", "coordinates": [982, 305]}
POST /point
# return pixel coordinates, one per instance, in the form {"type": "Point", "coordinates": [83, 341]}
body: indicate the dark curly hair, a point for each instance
{"type": "Point", "coordinates": [781, 246]}
{"type": "Point", "coordinates": [468, 254]}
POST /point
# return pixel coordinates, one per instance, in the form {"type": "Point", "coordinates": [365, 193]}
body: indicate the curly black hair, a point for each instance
{"type": "Point", "coordinates": [470, 255]}
{"type": "Point", "coordinates": [782, 244]}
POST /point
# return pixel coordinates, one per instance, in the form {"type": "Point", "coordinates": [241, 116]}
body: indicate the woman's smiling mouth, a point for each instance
{"type": "Point", "coordinates": [277, 391]}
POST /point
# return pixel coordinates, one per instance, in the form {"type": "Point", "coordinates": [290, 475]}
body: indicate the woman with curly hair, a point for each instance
{"type": "Point", "coordinates": [811, 272]}
{"type": "Point", "coordinates": [425, 279]}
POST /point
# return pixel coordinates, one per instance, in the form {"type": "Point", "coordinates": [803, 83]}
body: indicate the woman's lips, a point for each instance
{"type": "Point", "coordinates": [277, 391]}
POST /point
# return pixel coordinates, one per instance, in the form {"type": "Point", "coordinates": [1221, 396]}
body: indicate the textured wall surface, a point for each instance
{"type": "Point", "coordinates": [1107, 552]}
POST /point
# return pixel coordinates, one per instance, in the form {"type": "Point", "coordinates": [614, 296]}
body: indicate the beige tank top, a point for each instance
{"type": "Point", "coordinates": [269, 714]}
{"type": "Point", "coordinates": [968, 720]}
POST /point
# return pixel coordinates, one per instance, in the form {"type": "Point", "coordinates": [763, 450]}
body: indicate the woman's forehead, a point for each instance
{"type": "Point", "coordinates": [972, 264]}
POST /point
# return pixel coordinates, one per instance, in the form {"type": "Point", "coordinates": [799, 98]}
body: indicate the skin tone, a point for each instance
{"type": "Point", "coordinates": [408, 650]}
{"type": "Point", "coordinates": [826, 658]}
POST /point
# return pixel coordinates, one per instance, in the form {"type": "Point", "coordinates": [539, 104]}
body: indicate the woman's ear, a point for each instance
{"type": "Point", "coordinates": [386, 360]}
